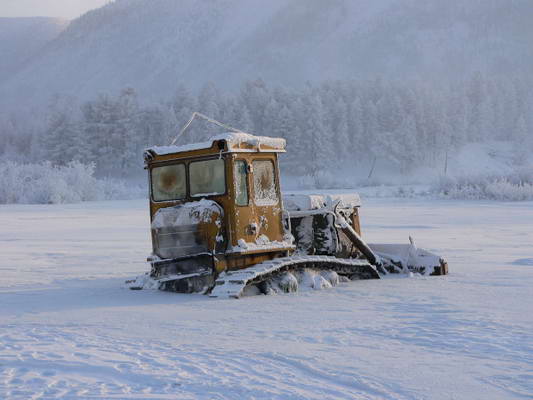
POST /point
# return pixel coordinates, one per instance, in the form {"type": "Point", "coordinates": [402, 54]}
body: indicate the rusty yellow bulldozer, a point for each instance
{"type": "Point", "coordinates": [221, 226]}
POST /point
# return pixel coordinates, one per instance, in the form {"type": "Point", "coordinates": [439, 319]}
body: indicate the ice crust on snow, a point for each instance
{"type": "Point", "coordinates": [233, 139]}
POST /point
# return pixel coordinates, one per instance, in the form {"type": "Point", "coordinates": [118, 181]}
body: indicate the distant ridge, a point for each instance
{"type": "Point", "coordinates": [23, 38]}
{"type": "Point", "coordinates": [153, 45]}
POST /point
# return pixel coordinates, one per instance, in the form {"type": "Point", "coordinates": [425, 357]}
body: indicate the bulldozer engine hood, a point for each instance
{"type": "Point", "coordinates": [188, 229]}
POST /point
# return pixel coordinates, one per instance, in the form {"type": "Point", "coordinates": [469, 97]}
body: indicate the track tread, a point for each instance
{"type": "Point", "coordinates": [232, 283]}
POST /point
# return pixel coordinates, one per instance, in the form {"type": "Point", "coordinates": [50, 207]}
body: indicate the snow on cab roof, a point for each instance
{"type": "Point", "coordinates": [236, 142]}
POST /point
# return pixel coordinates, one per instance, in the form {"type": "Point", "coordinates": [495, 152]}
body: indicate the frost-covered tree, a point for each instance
{"type": "Point", "coordinates": [111, 124]}
{"type": "Point", "coordinates": [127, 133]}
{"type": "Point", "coordinates": [343, 141]}
{"type": "Point", "coordinates": [210, 104]}
{"type": "Point", "coordinates": [237, 115]}
{"type": "Point", "coordinates": [408, 152]}
{"type": "Point", "coordinates": [372, 132]}
{"type": "Point", "coordinates": [63, 140]}
{"type": "Point", "coordinates": [256, 96]}
{"type": "Point", "coordinates": [321, 151]}
{"type": "Point", "coordinates": [522, 141]}
{"type": "Point", "coordinates": [326, 126]}
{"type": "Point", "coordinates": [356, 125]}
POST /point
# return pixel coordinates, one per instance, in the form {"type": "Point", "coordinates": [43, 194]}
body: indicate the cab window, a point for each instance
{"type": "Point", "coordinates": [169, 183]}
{"type": "Point", "coordinates": [241, 183]}
{"type": "Point", "coordinates": [207, 178]}
{"type": "Point", "coordinates": [265, 193]}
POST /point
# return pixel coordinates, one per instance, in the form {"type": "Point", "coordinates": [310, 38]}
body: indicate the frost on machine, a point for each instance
{"type": "Point", "coordinates": [221, 226]}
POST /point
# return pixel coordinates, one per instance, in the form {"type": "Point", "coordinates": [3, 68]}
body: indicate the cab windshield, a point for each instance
{"type": "Point", "coordinates": [169, 182]}
{"type": "Point", "coordinates": [206, 178]}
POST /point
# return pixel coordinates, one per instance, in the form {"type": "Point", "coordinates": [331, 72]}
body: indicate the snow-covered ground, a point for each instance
{"type": "Point", "coordinates": [69, 330]}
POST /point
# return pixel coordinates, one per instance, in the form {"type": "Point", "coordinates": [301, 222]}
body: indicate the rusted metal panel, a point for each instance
{"type": "Point", "coordinates": [356, 221]}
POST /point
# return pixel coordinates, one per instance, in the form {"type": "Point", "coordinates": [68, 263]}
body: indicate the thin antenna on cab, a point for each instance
{"type": "Point", "coordinates": [205, 117]}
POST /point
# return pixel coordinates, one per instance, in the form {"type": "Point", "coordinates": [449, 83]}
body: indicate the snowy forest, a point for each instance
{"type": "Point", "coordinates": [328, 126]}
{"type": "Point", "coordinates": [366, 93]}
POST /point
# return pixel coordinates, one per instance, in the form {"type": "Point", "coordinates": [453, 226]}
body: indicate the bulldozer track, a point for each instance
{"type": "Point", "coordinates": [232, 283]}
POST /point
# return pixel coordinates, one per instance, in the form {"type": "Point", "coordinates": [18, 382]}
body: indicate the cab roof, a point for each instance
{"type": "Point", "coordinates": [231, 142]}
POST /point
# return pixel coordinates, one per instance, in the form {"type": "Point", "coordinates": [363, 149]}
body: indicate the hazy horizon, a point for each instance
{"type": "Point", "coordinates": [345, 82]}
{"type": "Point", "coordinates": [68, 9]}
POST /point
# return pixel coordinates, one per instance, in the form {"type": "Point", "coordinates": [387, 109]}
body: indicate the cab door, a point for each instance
{"type": "Point", "coordinates": [258, 211]}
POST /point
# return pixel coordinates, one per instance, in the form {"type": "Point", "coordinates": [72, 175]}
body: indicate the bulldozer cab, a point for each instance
{"type": "Point", "coordinates": [218, 201]}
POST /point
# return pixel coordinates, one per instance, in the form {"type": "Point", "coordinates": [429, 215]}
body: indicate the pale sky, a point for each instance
{"type": "Point", "coordinates": [48, 8]}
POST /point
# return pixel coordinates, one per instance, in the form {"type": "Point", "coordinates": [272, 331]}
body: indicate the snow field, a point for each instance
{"type": "Point", "coordinates": [69, 330]}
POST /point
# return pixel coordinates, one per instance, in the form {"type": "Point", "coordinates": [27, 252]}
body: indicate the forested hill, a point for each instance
{"type": "Point", "coordinates": [152, 45]}
{"type": "Point", "coordinates": [23, 38]}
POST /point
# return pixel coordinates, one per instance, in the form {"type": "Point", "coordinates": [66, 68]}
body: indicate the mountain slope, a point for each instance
{"type": "Point", "coordinates": [153, 45]}
{"type": "Point", "coordinates": [22, 38]}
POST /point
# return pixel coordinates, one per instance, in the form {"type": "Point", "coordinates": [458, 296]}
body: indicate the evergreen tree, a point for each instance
{"type": "Point", "coordinates": [63, 140]}
{"type": "Point", "coordinates": [321, 153]}
{"type": "Point", "coordinates": [404, 124]}
{"type": "Point", "coordinates": [522, 143]}
{"type": "Point", "coordinates": [127, 132]}
{"type": "Point", "coordinates": [255, 95]}
{"type": "Point", "coordinates": [342, 140]}
{"type": "Point", "coordinates": [356, 125]}
{"type": "Point", "coordinates": [406, 144]}
{"type": "Point", "coordinates": [209, 101]}
{"type": "Point", "coordinates": [372, 132]}
{"type": "Point", "coordinates": [182, 105]}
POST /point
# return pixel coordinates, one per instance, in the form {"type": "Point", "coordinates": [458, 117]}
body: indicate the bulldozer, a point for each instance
{"type": "Point", "coordinates": [221, 226]}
